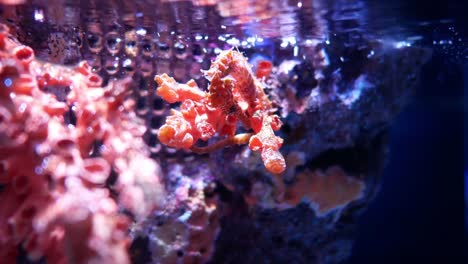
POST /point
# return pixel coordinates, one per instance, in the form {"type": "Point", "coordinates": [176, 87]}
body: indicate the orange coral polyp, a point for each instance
{"type": "Point", "coordinates": [273, 160]}
{"type": "Point", "coordinates": [234, 94]}
{"type": "Point", "coordinates": [178, 132]}
{"type": "Point", "coordinates": [166, 133]}
{"type": "Point", "coordinates": [173, 92]}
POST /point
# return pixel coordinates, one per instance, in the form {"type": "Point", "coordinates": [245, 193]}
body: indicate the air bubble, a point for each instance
{"type": "Point", "coordinates": [164, 48]}
{"type": "Point", "coordinates": [113, 42]}
{"type": "Point", "coordinates": [141, 108]}
{"type": "Point", "coordinates": [94, 39]}
{"type": "Point", "coordinates": [197, 52]}
{"type": "Point", "coordinates": [180, 50]}
{"type": "Point", "coordinates": [147, 47]}
{"type": "Point", "coordinates": [129, 66]}
{"type": "Point", "coordinates": [164, 51]}
{"type": "Point", "coordinates": [95, 62]}
{"type": "Point", "coordinates": [112, 65]}
{"type": "Point", "coordinates": [146, 67]}
{"type": "Point", "coordinates": [144, 84]}
{"type": "Point", "coordinates": [131, 40]}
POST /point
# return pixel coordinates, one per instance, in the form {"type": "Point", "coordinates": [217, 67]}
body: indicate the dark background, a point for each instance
{"type": "Point", "coordinates": [419, 214]}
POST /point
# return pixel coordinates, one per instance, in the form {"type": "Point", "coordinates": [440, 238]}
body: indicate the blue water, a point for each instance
{"type": "Point", "coordinates": [421, 214]}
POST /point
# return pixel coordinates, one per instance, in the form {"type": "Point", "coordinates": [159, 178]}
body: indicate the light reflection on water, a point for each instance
{"type": "Point", "coordinates": [180, 29]}
{"type": "Point", "coordinates": [143, 38]}
{"type": "Point", "coordinates": [124, 38]}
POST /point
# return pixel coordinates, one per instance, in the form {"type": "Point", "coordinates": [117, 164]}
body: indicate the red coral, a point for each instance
{"type": "Point", "coordinates": [234, 95]}
{"type": "Point", "coordinates": [54, 199]}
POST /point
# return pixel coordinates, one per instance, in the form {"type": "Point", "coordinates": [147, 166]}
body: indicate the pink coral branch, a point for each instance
{"type": "Point", "coordinates": [54, 200]}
